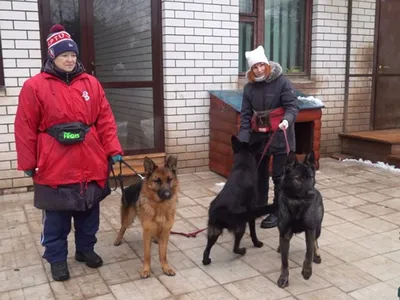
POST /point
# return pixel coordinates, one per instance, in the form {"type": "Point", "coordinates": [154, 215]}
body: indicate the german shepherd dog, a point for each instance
{"type": "Point", "coordinates": [301, 209]}
{"type": "Point", "coordinates": [235, 205]}
{"type": "Point", "coordinates": [153, 200]}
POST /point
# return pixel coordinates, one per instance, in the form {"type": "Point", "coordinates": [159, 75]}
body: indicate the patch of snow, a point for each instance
{"type": "Point", "coordinates": [220, 183]}
{"type": "Point", "coordinates": [378, 164]}
{"type": "Point", "coordinates": [312, 99]}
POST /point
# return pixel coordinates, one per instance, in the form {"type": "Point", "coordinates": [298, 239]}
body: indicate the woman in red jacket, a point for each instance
{"type": "Point", "coordinates": [66, 139]}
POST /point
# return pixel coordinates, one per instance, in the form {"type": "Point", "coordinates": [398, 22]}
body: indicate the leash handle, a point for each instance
{"type": "Point", "coordinates": [269, 144]}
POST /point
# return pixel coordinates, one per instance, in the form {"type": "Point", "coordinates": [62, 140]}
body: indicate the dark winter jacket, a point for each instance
{"type": "Point", "coordinates": [273, 92]}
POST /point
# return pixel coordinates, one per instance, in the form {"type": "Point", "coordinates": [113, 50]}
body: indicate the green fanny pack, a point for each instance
{"type": "Point", "coordinates": [69, 133]}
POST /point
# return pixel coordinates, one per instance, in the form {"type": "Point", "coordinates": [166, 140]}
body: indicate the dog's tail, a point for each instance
{"type": "Point", "coordinates": [256, 212]}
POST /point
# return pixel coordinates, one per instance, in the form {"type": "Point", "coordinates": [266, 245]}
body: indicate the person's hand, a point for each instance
{"type": "Point", "coordinates": [116, 158]}
{"type": "Point", "coordinates": [29, 173]}
{"type": "Point", "coordinates": [284, 125]}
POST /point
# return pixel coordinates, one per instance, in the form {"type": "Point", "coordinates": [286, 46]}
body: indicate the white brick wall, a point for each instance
{"type": "Point", "coordinates": [21, 59]}
{"type": "Point", "coordinates": [200, 54]}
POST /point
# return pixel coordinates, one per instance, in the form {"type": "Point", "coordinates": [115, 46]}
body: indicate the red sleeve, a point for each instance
{"type": "Point", "coordinates": [106, 126]}
{"type": "Point", "coordinates": [26, 128]}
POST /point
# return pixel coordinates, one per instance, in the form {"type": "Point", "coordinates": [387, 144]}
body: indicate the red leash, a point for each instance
{"type": "Point", "coordinates": [195, 233]}
{"type": "Point", "coordinates": [190, 234]}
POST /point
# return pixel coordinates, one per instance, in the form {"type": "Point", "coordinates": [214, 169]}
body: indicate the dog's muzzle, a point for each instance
{"type": "Point", "coordinates": [164, 194]}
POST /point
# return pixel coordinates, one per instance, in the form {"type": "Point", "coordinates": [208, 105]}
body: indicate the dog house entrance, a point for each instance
{"type": "Point", "coordinates": [304, 132]}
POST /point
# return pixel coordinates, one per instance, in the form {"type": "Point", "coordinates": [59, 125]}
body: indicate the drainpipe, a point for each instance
{"type": "Point", "coordinates": [347, 68]}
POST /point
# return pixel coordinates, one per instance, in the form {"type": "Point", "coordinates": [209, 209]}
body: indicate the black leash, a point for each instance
{"type": "Point", "coordinates": [119, 177]}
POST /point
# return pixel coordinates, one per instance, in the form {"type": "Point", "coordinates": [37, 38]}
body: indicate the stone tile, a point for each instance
{"type": "Point", "coordinates": [332, 182]}
{"type": "Point", "coordinates": [186, 281]}
{"type": "Point", "coordinates": [177, 260]}
{"type": "Point", "coordinates": [352, 189]}
{"type": "Point", "coordinates": [199, 222]}
{"type": "Point", "coordinates": [257, 288]}
{"type": "Point", "coordinates": [395, 256]}
{"type": "Point", "coordinates": [330, 219]}
{"type": "Point", "coordinates": [245, 243]}
{"type": "Point", "coordinates": [83, 287]}
{"type": "Point", "coordinates": [372, 185]}
{"type": "Point", "coordinates": [13, 217]}
{"type": "Point", "coordinates": [379, 266]}
{"type": "Point", "coordinates": [138, 248]}
{"type": "Point", "coordinates": [225, 266]}
{"type": "Point", "coordinates": [183, 178]}
{"type": "Point", "coordinates": [376, 209]}
{"type": "Point", "coordinates": [349, 230]}
{"type": "Point", "coordinates": [378, 291]}
{"type": "Point", "coordinates": [104, 224]}
{"type": "Point", "coordinates": [332, 193]}
{"type": "Point", "coordinates": [377, 225]}
{"type": "Point", "coordinates": [392, 203]}
{"type": "Point", "coordinates": [298, 285]}
{"type": "Point", "coordinates": [184, 243]}
{"type": "Point", "coordinates": [348, 251]}
{"type": "Point", "coordinates": [149, 289]}
{"type": "Point", "coordinates": [111, 253]}
{"type": "Point", "coordinates": [267, 262]}
{"type": "Point", "coordinates": [185, 201]}
{"type": "Point", "coordinates": [330, 205]}
{"type": "Point", "coordinates": [350, 214]}
{"type": "Point", "coordinates": [393, 218]}
{"type": "Point", "coordinates": [103, 297]}
{"type": "Point", "coordinates": [373, 197]}
{"type": "Point", "coordinates": [328, 260]}
{"type": "Point", "coordinates": [120, 272]}
{"type": "Point", "coordinates": [347, 277]}
{"type": "Point", "coordinates": [350, 201]}
{"type": "Point", "coordinates": [76, 269]}
{"type": "Point", "coordinates": [32, 213]}
{"type": "Point", "coordinates": [198, 193]}
{"type": "Point", "coordinates": [393, 192]}
{"type": "Point", "coordinates": [39, 292]}
{"type": "Point", "coordinates": [205, 201]}
{"type": "Point", "coordinates": [192, 211]}
{"type": "Point", "coordinates": [331, 293]}
{"type": "Point", "coordinates": [296, 243]}
{"type": "Point", "coordinates": [208, 175]}
{"type": "Point", "coordinates": [326, 238]}
{"type": "Point", "coordinates": [353, 180]}
{"type": "Point", "coordinates": [213, 293]}
{"type": "Point", "coordinates": [12, 231]}
{"type": "Point", "coordinates": [379, 243]}
{"type": "Point", "coordinates": [22, 278]}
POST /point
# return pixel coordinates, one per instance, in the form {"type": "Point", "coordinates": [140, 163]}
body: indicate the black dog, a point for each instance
{"type": "Point", "coordinates": [301, 209]}
{"type": "Point", "coordinates": [235, 205]}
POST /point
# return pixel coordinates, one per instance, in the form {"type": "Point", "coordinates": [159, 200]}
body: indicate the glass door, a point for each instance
{"type": "Point", "coordinates": [120, 43]}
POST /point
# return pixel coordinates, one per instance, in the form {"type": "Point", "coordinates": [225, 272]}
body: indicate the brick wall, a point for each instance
{"type": "Point", "coordinates": [200, 54]}
{"type": "Point", "coordinates": [21, 57]}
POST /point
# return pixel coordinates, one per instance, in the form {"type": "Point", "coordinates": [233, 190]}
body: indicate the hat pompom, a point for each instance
{"type": "Point", "coordinates": [57, 28]}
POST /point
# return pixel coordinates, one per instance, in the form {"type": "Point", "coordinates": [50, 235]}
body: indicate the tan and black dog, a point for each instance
{"type": "Point", "coordinates": [153, 200]}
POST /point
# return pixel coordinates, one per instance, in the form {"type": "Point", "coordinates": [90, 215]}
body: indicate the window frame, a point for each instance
{"type": "Point", "coordinates": [257, 17]}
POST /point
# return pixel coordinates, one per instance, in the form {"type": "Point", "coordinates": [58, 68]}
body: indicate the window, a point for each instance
{"type": "Point", "coordinates": [283, 27]}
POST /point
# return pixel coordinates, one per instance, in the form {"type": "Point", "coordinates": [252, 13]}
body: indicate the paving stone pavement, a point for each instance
{"type": "Point", "coordinates": [360, 248]}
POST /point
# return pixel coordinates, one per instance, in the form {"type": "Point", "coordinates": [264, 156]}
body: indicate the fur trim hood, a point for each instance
{"type": "Point", "coordinates": [276, 71]}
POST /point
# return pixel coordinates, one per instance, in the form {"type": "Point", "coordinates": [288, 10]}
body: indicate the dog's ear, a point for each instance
{"type": "Point", "coordinates": [291, 159]}
{"type": "Point", "coordinates": [310, 158]}
{"type": "Point", "coordinates": [236, 144]}
{"type": "Point", "coordinates": [149, 165]}
{"type": "Point", "coordinates": [172, 163]}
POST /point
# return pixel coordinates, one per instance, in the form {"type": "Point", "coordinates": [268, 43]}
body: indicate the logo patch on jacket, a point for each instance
{"type": "Point", "coordinates": [85, 95]}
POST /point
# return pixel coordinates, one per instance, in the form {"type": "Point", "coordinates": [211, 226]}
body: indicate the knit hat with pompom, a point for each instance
{"type": "Point", "coordinates": [60, 41]}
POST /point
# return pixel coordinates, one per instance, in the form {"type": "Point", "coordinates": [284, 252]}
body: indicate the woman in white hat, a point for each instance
{"type": "Point", "coordinates": [268, 93]}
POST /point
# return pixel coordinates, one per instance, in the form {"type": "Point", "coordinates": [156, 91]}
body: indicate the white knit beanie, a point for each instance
{"type": "Point", "coordinates": [256, 56]}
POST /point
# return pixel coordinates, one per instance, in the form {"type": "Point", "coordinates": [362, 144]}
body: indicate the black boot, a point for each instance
{"type": "Point", "coordinates": [271, 220]}
{"type": "Point", "coordinates": [91, 258]}
{"type": "Point", "coordinates": [59, 271]}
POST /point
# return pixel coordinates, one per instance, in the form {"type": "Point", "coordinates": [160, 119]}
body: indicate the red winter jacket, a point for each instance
{"type": "Point", "coordinates": [46, 100]}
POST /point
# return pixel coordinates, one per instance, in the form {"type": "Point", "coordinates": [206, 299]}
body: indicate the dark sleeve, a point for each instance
{"type": "Point", "coordinates": [289, 102]}
{"type": "Point", "coordinates": [246, 114]}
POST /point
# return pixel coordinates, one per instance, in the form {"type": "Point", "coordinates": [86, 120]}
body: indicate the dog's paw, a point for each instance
{"type": "Point", "coordinates": [317, 259]}
{"type": "Point", "coordinates": [145, 273]}
{"type": "Point", "coordinates": [168, 271]}
{"type": "Point", "coordinates": [283, 281]}
{"type": "Point", "coordinates": [258, 244]}
{"type": "Point", "coordinates": [240, 251]}
{"type": "Point", "coordinates": [117, 242]}
{"type": "Point", "coordinates": [306, 272]}
{"type": "Point", "coordinates": [206, 261]}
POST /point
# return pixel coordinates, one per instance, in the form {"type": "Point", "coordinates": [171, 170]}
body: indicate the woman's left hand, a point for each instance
{"type": "Point", "coordinates": [284, 125]}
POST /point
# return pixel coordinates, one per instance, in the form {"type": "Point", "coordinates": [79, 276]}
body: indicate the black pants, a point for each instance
{"type": "Point", "coordinates": [263, 176]}
{"type": "Point", "coordinates": [57, 225]}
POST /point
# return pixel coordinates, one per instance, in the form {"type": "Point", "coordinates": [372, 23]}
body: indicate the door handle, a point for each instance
{"type": "Point", "coordinates": [383, 67]}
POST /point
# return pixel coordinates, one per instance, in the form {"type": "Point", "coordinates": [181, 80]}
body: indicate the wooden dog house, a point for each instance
{"type": "Point", "coordinates": [225, 109]}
